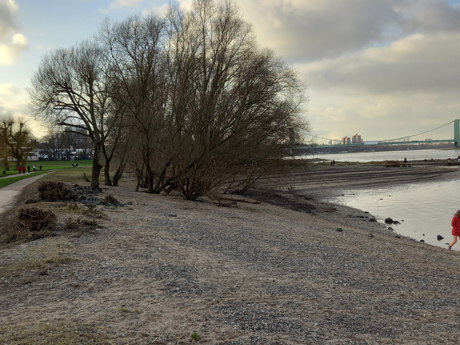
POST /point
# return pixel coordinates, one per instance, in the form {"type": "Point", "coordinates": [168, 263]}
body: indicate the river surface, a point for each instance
{"type": "Point", "coordinates": [425, 210]}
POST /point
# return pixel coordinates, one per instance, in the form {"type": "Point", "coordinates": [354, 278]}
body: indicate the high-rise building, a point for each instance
{"type": "Point", "coordinates": [356, 139]}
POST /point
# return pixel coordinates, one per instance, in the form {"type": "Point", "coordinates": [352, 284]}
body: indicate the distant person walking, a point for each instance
{"type": "Point", "coordinates": [455, 228]}
{"type": "Point", "coordinates": [28, 169]}
{"type": "Point", "coordinates": [23, 169]}
{"type": "Point", "coordinates": [35, 169]}
{"type": "Point", "coordinates": [19, 170]}
{"type": "Point", "coordinates": [40, 168]}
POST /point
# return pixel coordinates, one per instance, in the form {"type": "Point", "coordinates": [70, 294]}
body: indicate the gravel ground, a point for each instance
{"type": "Point", "coordinates": [162, 268]}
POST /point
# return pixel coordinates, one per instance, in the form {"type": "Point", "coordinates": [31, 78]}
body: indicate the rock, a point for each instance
{"type": "Point", "coordinates": [339, 229]}
{"type": "Point", "coordinates": [129, 203]}
{"type": "Point", "coordinates": [439, 237]}
{"type": "Point", "coordinates": [422, 241]}
{"type": "Point", "coordinates": [371, 235]}
{"type": "Point", "coordinates": [373, 219]}
{"type": "Point", "coordinates": [396, 222]}
{"type": "Point", "coordinates": [172, 215]}
{"type": "Point", "coordinates": [397, 236]}
{"type": "Point", "coordinates": [388, 220]}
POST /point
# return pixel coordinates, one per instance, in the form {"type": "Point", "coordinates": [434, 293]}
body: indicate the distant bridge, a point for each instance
{"type": "Point", "coordinates": [397, 141]}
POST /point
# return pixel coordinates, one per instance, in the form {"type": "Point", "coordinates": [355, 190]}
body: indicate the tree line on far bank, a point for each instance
{"type": "Point", "coordinates": [188, 100]}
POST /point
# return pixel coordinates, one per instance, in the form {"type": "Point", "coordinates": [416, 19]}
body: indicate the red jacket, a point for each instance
{"type": "Point", "coordinates": [455, 226]}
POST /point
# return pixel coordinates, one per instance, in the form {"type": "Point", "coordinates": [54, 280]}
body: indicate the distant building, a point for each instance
{"type": "Point", "coordinates": [346, 141]}
{"type": "Point", "coordinates": [356, 139]}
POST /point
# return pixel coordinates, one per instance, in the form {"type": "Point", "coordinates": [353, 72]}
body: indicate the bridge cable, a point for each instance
{"type": "Point", "coordinates": [414, 135]}
{"type": "Point", "coordinates": [407, 136]}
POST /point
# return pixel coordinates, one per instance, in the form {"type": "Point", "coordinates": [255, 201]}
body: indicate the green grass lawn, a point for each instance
{"type": "Point", "coordinates": [47, 166]}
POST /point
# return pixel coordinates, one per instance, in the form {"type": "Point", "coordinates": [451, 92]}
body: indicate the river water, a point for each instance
{"type": "Point", "coordinates": [425, 210]}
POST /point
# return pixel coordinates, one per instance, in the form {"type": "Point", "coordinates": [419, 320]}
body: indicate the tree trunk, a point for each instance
{"type": "Point", "coordinates": [96, 169]}
{"type": "Point", "coordinates": [119, 172]}
{"type": "Point", "coordinates": [6, 164]}
{"type": "Point", "coordinates": [139, 174]}
{"type": "Point", "coordinates": [107, 180]}
{"type": "Point", "coordinates": [150, 178]}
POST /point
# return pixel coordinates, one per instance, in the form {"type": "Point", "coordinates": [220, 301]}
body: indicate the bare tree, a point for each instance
{"type": "Point", "coordinates": [232, 103]}
{"type": "Point", "coordinates": [135, 48]}
{"type": "Point", "coordinates": [71, 88]}
{"type": "Point", "coordinates": [18, 141]}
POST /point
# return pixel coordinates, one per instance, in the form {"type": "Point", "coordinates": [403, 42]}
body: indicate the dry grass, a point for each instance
{"type": "Point", "coordinates": [72, 176]}
{"type": "Point", "coordinates": [79, 223]}
{"type": "Point", "coordinates": [54, 332]}
{"type": "Point", "coordinates": [49, 252]}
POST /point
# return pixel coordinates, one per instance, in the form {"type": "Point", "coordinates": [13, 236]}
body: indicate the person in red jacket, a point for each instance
{"type": "Point", "coordinates": [23, 170]}
{"type": "Point", "coordinates": [455, 228]}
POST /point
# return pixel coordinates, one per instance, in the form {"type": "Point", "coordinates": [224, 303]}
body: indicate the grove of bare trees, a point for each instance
{"type": "Point", "coordinates": [189, 100]}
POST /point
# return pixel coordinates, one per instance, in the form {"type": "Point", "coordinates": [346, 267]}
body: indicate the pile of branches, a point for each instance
{"type": "Point", "coordinates": [55, 191]}
{"type": "Point", "coordinates": [29, 224]}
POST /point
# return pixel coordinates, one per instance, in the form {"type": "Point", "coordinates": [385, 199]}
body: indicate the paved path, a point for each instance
{"type": "Point", "coordinates": [16, 175]}
{"type": "Point", "coordinates": [8, 193]}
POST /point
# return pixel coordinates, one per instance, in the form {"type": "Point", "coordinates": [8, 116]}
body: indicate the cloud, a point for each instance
{"type": "Point", "coordinates": [117, 4]}
{"type": "Point", "coordinates": [157, 10]}
{"type": "Point", "coordinates": [10, 52]}
{"type": "Point", "coordinates": [8, 10]}
{"type": "Point", "coordinates": [307, 30]}
{"type": "Point", "coordinates": [12, 99]}
{"type": "Point", "coordinates": [431, 16]}
{"type": "Point", "coordinates": [315, 29]}
{"type": "Point", "coordinates": [13, 103]}
{"type": "Point", "coordinates": [414, 63]}
{"type": "Point", "coordinates": [11, 45]}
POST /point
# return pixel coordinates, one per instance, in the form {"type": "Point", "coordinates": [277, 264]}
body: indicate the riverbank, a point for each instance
{"type": "Point", "coordinates": [160, 268]}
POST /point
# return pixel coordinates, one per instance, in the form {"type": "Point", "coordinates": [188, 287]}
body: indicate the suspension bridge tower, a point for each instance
{"type": "Point", "coordinates": [456, 132]}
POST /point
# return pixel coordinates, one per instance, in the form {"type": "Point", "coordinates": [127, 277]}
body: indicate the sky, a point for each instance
{"type": "Point", "coordinates": [383, 69]}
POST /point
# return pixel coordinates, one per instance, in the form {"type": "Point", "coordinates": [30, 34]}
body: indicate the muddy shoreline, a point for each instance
{"type": "Point", "coordinates": [308, 189]}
